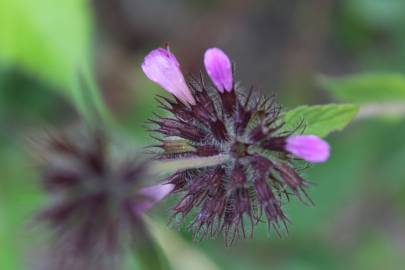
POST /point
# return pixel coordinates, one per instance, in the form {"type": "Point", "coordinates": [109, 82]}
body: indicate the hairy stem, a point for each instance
{"type": "Point", "coordinates": [162, 166]}
{"type": "Point", "coordinates": [381, 109]}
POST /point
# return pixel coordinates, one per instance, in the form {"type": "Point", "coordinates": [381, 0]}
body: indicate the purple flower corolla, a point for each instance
{"type": "Point", "coordinates": [308, 147]}
{"type": "Point", "coordinates": [152, 195]}
{"type": "Point", "coordinates": [162, 67]}
{"type": "Point", "coordinates": [219, 68]}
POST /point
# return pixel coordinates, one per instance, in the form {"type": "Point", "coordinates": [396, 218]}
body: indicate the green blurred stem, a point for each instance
{"type": "Point", "coordinates": [146, 251]}
{"type": "Point", "coordinates": [187, 163]}
{"type": "Point", "coordinates": [94, 95]}
{"type": "Point", "coordinates": [88, 99]}
{"type": "Point", "coordinates": [79, 100]}
{"type": "Point", "coordinates": [387, 109]}
{"type": "Point", "coordinates": [180, 254]}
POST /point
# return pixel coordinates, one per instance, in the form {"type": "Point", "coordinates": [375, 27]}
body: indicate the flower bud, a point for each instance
{"type": "Point", "coordinates": [219, 68]}
{"type": "Point", "coordinates": [308, 147]}
{"type": "Point", "coordinates": [162, 67]}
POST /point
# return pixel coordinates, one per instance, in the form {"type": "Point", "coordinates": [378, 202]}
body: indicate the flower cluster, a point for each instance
{"type": "Point", "coordinates": [98, 201]}
{"type": "Point", "coordinates": [260, 170]}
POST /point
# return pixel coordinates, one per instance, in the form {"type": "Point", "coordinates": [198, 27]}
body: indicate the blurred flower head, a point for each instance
{"type": "Point", "coordinates": [262, 171]}
{"type": "Point", "coordinates": [97, 201]}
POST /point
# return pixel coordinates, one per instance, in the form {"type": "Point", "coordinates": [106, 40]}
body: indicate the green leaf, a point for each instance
{"type": "Point", "coordinates": [364, 88]}
{"type": "Point", "coordinates": [376, 13]}
{"type": "Point", "coordinates": [45, 37]}
{"type": "Point", "coordinates": [19, 201]}
{"type": "Point", "coordinates": [321, 120]}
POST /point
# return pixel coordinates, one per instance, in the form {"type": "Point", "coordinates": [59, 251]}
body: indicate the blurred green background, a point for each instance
{"type": "Point", "coordinates": [278, 46]}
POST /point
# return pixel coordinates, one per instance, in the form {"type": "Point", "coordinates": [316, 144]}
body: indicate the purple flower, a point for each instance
{"type": "Point", "coordinates": [162, 67]}
{"type": "Point", "coordinates": [308, 147]}
{"type": "Point", "coordinates": [98, 203]}
{"type": "Point", "coordinates": [219, 68]}
{"type": "Point", "coordinates": [262, 171]}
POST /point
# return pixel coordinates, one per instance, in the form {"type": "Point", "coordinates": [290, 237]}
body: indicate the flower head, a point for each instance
{"type": "Point", "coordinates": [262, 170]}
{"type": "Point", "coordinates": [162, 67]}
{"type": "Point", "coordinates": [98, 201]}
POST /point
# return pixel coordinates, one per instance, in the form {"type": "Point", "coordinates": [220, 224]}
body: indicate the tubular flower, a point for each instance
{"type": "Point", "coordinates": [219, 68]}
{"type": "Point", "coordinates": [98, 201]}
{"type": "Point", "coordinates": [262, 170]}
{"type": "Point", "coordinates": [162, 67]}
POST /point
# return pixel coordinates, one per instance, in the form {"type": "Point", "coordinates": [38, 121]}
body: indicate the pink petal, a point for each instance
{"type": "Point", "coordinates": [152, 195]}
{"type": "Point", "coordinates": [308, 147]}
{"type": "Point", "coordinates": [219, 68]}
{"type": "Point", "coordinates": [162, 67]}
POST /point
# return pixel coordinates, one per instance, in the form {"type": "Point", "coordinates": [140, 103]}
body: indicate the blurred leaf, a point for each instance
{"type": "Point", "coordinates": [19, 198]}
{"type": "Point", "coordinates": [321, 119]}
{"type": "Point", "coordinates": [378, 252]}
{"type": "Point", "coordinates": [25, 101]}
{"type": "Point", "coordinates": [386, 139]}
{"type": "Point", "coordinates": [378, 13]}
{"type": "Point", "coordinates": [46, 37]}
{"type": "Point", "coordinates": [365, 88]}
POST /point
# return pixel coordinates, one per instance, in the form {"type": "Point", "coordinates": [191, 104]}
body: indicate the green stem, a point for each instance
{"type": "Point", "coordinates": [88, 100]}
{"type": "Point", "coordinates": [161, 166]}
{"type": "Point", "coordinates": [146, 250]}
{"type": "Point", "coordinates": [79, 101]}
{"type": "Point", "coordinates": [180, 254]}
{"type": "Point", "coordinates": [382, 109]}
{"type": "Point", "coordinates": [94, 95]}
